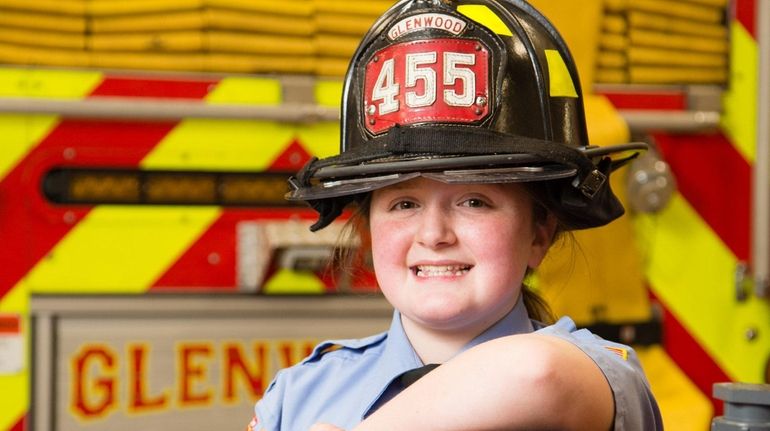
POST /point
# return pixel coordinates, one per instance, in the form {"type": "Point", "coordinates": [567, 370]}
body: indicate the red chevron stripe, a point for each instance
{"type": "Point", "coordinates": [716, 180]}
{"type": "Point", "coordinates": [690, 356]}
{"type": "Point", "coordinates": [20, 424]}
{"type": "Point", "coordinates": [660, 100]}
{"type": "Point", "coordinates": [210, 262]}
{"type": "Point", "coordinates": [30, 226]}
{"type": "Point", "coordinates": [154, 88]}
{"type": "Point", "coordinates": [746, 13]}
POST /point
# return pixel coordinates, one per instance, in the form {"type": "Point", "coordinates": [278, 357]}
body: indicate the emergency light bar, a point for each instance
{"type": "Point", "coordinates": [68, 186]}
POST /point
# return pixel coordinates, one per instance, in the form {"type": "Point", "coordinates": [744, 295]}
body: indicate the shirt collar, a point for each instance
{"type": "Point", "coordinates": [399, 357]}
{"type": "Point", "coordinates": [515, 322]}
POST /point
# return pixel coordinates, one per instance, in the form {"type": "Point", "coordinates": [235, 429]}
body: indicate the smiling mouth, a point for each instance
{"type": "Point", "coordinates": [441, 270]}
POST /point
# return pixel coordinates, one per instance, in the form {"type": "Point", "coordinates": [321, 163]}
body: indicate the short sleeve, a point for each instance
{"type": "Point", "coordinates": [635, 405]}
{"type": "Point", "coordinates": [267, 411]}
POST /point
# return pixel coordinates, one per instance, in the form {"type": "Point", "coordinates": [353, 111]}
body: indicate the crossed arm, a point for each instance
{"type": "Point", "coordinates": [527, 382]}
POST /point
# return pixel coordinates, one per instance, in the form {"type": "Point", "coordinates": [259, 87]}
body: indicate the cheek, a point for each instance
{"type": "Point", "coordinates": [387, 244]}
{"type": "Point", "coordinates": [503, 245]}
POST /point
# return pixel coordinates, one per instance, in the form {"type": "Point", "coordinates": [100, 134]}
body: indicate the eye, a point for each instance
{"type": "Point", "coordinates": [403, 205]}
{"type": "Point", "coordinates": [474, 203]}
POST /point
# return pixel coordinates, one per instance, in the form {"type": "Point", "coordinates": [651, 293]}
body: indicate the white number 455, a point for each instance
{"type": "Point", "coordinates": [422, 67]}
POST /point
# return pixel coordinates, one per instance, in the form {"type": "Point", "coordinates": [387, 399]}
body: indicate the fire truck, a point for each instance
{"type": "Point", "coordinates": [153, 276]}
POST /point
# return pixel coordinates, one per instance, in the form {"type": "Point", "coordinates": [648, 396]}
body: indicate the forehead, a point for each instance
{"type": "Point", "coordinates": [428, 186]}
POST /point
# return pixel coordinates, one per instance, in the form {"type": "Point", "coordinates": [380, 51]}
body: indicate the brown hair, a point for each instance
{"type": "Point", "coordinates": [347, 260]}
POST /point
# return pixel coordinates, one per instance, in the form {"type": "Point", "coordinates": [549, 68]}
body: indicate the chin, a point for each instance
{"type": "Point", "coordinates": [443, 317]}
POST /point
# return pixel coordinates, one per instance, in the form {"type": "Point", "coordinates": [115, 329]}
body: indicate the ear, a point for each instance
{"type": "Point", "coordinates": [544, 232]}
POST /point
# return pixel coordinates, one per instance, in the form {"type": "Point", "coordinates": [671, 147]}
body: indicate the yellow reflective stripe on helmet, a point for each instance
{"type": "Point", "coordinates": [558, 75]}
{"type": "Point", "coordinates": [739, 119]}
{"type": "Point", "coordinates": [486, 17]}
{"type": "Point", "coordinates": [119, 249]}
{"type": "Point", "coordinates": [697, 284]}
{"type": "Point", "coordinates": [21, 133]}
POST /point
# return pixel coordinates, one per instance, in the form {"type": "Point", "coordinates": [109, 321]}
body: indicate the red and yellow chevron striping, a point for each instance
{"type": "Point", "coordinates": [49, 248]}
{"type": "Point", "coordinates": [695, 245]}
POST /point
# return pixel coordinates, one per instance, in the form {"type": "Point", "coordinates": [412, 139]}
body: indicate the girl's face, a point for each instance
{"type": "Point", "coordinates": [451, 257]}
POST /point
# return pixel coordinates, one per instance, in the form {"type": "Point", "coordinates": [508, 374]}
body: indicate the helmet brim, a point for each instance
{"type": "Point", "coordinates": [345, 180]}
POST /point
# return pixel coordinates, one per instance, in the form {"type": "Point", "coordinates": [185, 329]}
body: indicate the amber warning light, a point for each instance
{"type": "Point", "coordinates": [151, 187]}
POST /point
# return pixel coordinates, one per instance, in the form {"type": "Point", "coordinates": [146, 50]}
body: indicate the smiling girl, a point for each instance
{"type": "Point", "coordinates": [465, 154]}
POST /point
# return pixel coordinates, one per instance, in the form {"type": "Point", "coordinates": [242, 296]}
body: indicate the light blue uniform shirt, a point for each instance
{"type": "Point", "coordinates": [343, 381]}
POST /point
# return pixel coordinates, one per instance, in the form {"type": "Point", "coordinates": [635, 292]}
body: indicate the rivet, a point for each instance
{"type": "Point", "coordinates": [477, 111]}
{"type": "Point", "coordinates": [371, 121]}
{"type": "Point", "coordinates": [751, 333]}
{"type": "Point", "coordinates": [376, 58]}
{"type": "Point", "coordinates": [477, 47]}
{"type": "Point", "coordinates": [69, 153]}
{"type": "Point", "coordinates": [69, 217]}
{"type": "Point", "coordinates": [214, 258]}
{"type": "Point", "coordinates": [371, 110]}
{"type": "Point", "coordinates": [481, 101]}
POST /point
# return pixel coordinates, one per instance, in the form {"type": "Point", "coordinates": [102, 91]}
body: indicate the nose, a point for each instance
{"type": "Point", "coordinates": [436, 229]}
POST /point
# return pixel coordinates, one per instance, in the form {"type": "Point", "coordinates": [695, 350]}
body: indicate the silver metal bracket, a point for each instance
{"type": "Point", "coordinates": [591, 184]}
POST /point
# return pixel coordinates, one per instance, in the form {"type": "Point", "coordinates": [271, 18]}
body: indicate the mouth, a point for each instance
{"type": "Point", "coordinates": [426, 271]}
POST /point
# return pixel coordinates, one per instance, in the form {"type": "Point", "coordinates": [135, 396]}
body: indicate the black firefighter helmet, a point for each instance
{"type": "Point", "coordinates": [476, 91]}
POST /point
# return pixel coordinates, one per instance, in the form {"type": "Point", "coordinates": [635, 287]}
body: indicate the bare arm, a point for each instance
{"type": "Point", "coordinates": [517, 382]}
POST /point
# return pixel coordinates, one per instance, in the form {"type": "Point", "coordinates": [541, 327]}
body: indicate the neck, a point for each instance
{"type": "Point", "coordinates": [435, 346]}
{"type": "Point", "coordinates": [438, 345]}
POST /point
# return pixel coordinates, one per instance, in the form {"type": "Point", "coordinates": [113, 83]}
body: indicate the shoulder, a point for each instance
{"type": "Point", "coordinates": [331, 364]}
{"type": "Point", "coordinates": [607, 354]}
{"type": "Point", "coordinates": [350, 349]}
{"type": "Point", "coordinates": [635, 405]}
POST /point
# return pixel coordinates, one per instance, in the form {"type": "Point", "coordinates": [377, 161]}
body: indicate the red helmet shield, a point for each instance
{"type": "Point", "coordinates": [436, 80]}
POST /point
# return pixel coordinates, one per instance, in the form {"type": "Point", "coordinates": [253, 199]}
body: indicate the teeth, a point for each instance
{"type": "Point", "coordinates": [442, 270]}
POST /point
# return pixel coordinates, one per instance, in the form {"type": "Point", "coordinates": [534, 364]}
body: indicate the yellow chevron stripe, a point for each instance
{"type": "Point", "coordinates": [14, 389]}
{"type": "Point", "coordinates": [682, 405]}
{"type": "Point", "coordinates": [49, 83]}
{"type": "Point", "coordinates": [291, 282]}
{"type": "Point", "coordinates": [20, 134]}
{"type": "Point", "coordinates": [221, 144]}
{"type": "Point", "coordinates": [226, 144]}
{"type": "Point", "coordinates": [239, 89]}
{"type": "Point", "coordinates": [328, 92]}
{"type": "Point", "coordinates": [13, 398]}
{"type": "Point", "coordinates": [740, 102]}
{"type": "Point", "coordinates": [320, 139]}
{"type": "Point", "coordinates": [119, 249]}
{"type": "Point", "coordinates": [691, 271]}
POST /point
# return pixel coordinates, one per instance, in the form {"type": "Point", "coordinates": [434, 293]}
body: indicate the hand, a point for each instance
{"type": "Point", "coordinates": [325, 427]}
